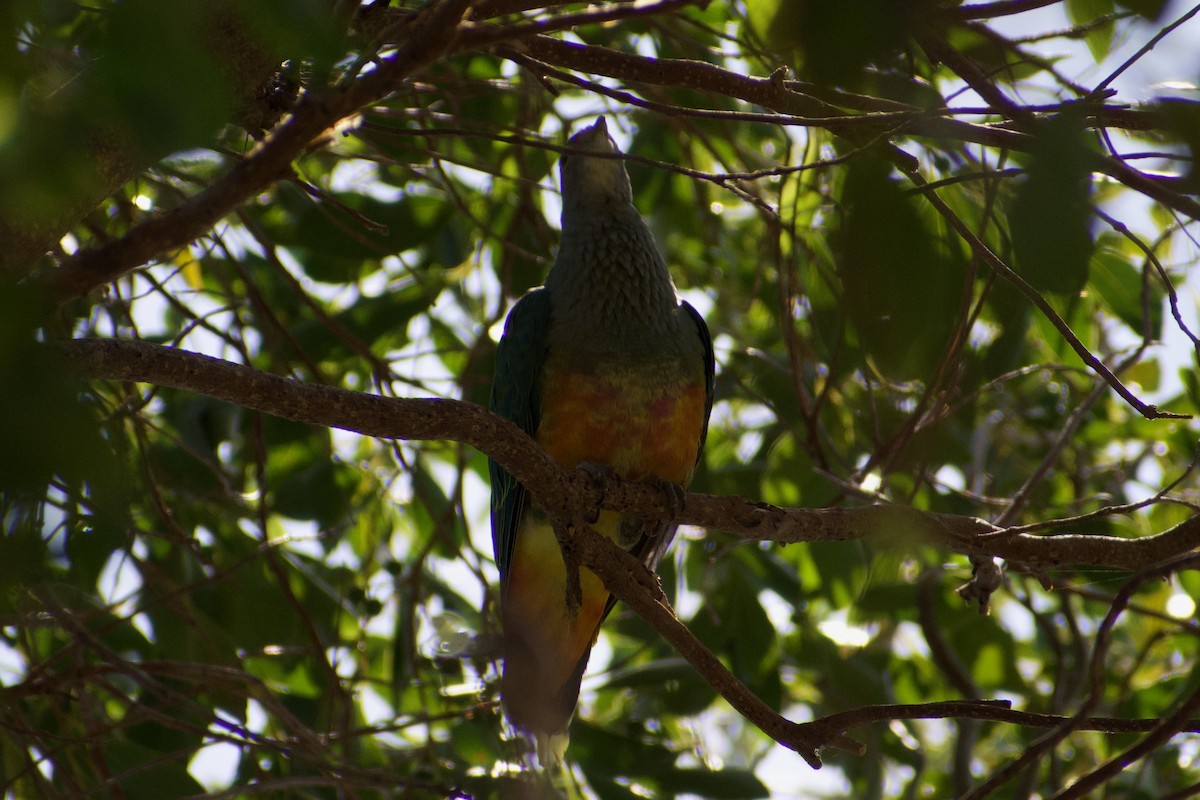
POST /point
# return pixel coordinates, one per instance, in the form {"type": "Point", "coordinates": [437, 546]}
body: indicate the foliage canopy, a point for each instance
{"type": "Point", "coordinates": [945, 264]}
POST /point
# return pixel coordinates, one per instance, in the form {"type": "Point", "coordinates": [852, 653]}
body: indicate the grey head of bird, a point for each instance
{"type": "Point", "coordinates": [609, 277]}
{"type": "Point", "coordinates": [594, 182]}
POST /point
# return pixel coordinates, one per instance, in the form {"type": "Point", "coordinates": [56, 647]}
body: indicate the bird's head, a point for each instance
{"type": "Point", "coordinates": [590, 181]}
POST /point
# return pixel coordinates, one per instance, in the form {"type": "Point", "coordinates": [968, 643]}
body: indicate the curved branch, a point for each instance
{"type": "Point", "coordinates": [431, 34]}
{"type": "Point", "coordinates": [1000, 8]}
{"type": "Point", "coordinates": [1147, 410]}
{"type": "Point", "coordinates": [786, 97]}
{"type": "Point", "coordinates": [1178, 719]}
{"type": "Point", "coordinates": [102, 158]}
{"type": "Point", "coordinates": [564, 492]}
{"type": "Point", "coordinates": [633, 584]}
{"type": "Point", "coordinates": [316, 113]}
{"type": "Point", "coordinates": [567, 494]}
{"type": "Point", "coordinates": [1025, 119]}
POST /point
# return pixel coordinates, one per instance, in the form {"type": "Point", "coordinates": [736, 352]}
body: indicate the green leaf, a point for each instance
{"type": "Point", "coordinates": [733, 623]}
{"type": "Point", "coordinates": [378, 323]}
{"type": "Point", "coordinates": [299, 30]}
{"type": "Point", "coordinates": [157, 79]}
{"type": "Point", "coordinates": [320, 492]}
{"type": "Point", "coordinates": [1149, 9]}
{"type": "Point", "coordinates": [1182, 124]}
{"type": "Point", "coordinates": [1051, 217]}
{"type": "Point", "coordinates": [837, 40]}
{"type": "Point", "coordinates": [900, 290]}
{"type": "Point", "coordinates": [788, 468]}
{"type": "Point", "coordinates": [23, 561]}
{"type": "Point", "coordinates": [346, 237]}
{"type": "Point", "coordinates": [722, 784]}
{"type": "Point", "coordinates": [438, 523]}
{"type": "Point", "coordinates": [606, 753]}
{"type": "Point", "coordinates": [991, 56]}
{"type": "Point", "coordinates": [1120, 286]}
{"type": "Point", "coordinates": [48, 425]}
{"type": "Point", "coordinates": [143, 774]}
{"type": "Point", "coordinates": [672, 684]}
{"type": "Point", "coordinates": [1099, 37]}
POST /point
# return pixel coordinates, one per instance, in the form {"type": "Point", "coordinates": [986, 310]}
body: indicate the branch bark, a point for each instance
{"type": "Point", "coordinates": [568, 494]}
{"type": "Point", "coordinates": [565, 492]}
{"type": "Point", "coordinates": [631, 583]}
{"type": "Point", "coordinates": [440, 29]}
{"type": "Point", "coordinates": [430, 37]}
{"type": "Point", "coordinates": [104, 160]}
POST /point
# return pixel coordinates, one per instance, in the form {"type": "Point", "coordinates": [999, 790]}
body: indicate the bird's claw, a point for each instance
{"type": "Point", "coordinates": [986, 577]}
{"type": "Point", "coordinates": [573, 589]}
{"type": "Point", "coordinates": [599, 475]}
{"type": "Point", "coordinates": [674, 496]}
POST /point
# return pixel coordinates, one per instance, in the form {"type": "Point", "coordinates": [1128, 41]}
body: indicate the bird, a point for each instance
{"type": "Point", "coordinates": [605, 366]}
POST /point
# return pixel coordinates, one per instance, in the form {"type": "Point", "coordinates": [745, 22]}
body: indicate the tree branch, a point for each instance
{"type": "Point", "coordinates": [431, 34]}
{"type": "Point", "coordinates": [1025, 119]}
{"type": "Point", "coordinates": [564, 492]}
{"type": "Point", "coordinates": [1147, 410]}
{"type": "Point", "coordinates": [1001, 8]}
{"type": "Point", "coordinates": [633, 584]}
{"type": "Point", "coordinates": [315, 114]}
{"type": "Point", "coordinates": [103, 159]}
{"type": "Point", "coordinates": [1178, 719]}
{"type": "Point", "coordinates": [994, 711]}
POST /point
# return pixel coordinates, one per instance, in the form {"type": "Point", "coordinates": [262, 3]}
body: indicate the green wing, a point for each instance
{"type": "Point", "coordinates": [515, 396]}
{"type": "Point", "coordinates": [710, 370]}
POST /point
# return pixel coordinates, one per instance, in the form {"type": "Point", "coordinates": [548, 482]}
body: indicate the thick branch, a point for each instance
{"type": "Point", "coordinates": [569, 494]}
{"type": "Point", "coordinates": [103, 159]}
{"type": "Point", "coordinates": [565, 492]}
{"type": "Point", "coordinates": [440, 29]}
{"type": "Point", "coordinates": [315, 114]}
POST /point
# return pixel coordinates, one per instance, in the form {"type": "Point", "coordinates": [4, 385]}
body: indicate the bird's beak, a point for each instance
{"type": "Point", "coordinates": [595, 137]}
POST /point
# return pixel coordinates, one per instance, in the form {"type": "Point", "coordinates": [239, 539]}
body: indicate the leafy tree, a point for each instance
{"type": "Point", "coordinates": [947, 276]}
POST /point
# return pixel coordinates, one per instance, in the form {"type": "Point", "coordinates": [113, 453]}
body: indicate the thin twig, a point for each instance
{"type": "Point", "coordinates": [1147, 410]}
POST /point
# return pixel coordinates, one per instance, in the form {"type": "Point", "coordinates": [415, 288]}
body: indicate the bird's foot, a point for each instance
{"type": "Point", "coordinates": [599, 474]}
{"type": "Point", "coordinates": [986, 578]}
{"type": "Point", "coordinates": [674, 496]}
{"type": "Point", "coordinates": [573, 589]}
